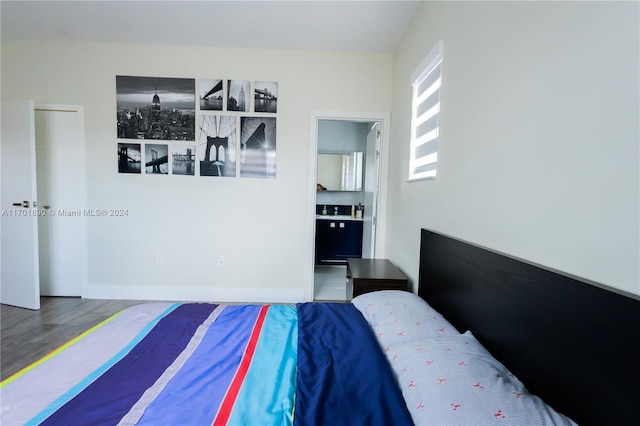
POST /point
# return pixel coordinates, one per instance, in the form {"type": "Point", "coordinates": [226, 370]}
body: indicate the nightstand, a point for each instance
{"type": "Point", "coordinates": [366, 275]}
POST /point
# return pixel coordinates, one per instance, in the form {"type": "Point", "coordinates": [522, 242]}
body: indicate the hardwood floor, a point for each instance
{"type": "Point", "coordinates": [26, 335]}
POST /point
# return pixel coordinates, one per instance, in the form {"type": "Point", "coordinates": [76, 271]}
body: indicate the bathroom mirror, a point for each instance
{"type": "Point", "coordinates": [340, 171]}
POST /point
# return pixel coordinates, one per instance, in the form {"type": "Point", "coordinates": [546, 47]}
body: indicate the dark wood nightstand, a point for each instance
{"type": "Point", "coordinates": [365, 275]}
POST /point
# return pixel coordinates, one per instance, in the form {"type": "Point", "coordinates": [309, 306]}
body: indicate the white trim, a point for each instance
{"type": "Point", "coordinates": [311, 203]}
{"type": "Point", "coordinates": [195, 293]}
{"type": "Point", "coordinates": [433, 56]}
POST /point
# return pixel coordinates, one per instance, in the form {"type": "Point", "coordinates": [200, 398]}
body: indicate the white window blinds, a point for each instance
{"type": "Point", "coordinates": [426, 81]}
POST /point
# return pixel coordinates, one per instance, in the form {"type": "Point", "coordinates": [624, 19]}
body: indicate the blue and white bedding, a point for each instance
{"type": "Point", "coordinates": [203, 364]}
{"type": "Point", "coordinates": [386, 359]}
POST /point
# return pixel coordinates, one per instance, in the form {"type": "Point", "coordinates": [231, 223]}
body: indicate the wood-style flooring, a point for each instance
{"type": "Point", "coordinates": [26, 335]}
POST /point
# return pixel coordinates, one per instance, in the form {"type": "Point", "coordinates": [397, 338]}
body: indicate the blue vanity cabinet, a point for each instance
{"type": "Point", "coordinates": [337, 240]}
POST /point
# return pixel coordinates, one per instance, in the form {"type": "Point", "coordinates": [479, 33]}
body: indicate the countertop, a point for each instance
{"type": "Point", "coordinates": [339, 217]}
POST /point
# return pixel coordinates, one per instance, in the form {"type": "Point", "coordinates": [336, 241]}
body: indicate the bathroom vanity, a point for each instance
{"type": "Point", "coordinates": [337, 238]}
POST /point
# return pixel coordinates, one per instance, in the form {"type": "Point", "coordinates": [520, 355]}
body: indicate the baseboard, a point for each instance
{"type": "Point", "coordinates": [196, 294]}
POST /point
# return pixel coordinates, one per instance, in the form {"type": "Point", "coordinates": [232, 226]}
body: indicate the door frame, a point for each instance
{"type": "Point", "coordinates": [385, 119]}
{"type": "Point", "coordinates": [372, 216]}
{"type": "Point", "coordinates": [79, 110]}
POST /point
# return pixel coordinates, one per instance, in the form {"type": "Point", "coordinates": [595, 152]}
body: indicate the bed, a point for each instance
{"type": "Point", "coordinates": [386, 358]}
{"type": "Point", "coordinates": [573, 342]}
{"type": "Point", "coordinates": [202, 363]}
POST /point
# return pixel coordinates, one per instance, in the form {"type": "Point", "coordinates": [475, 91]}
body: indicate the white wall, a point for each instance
{"type": "Point", "coordinates": [539, 131]}
{"type": "Point", "coordinates": [261, 226]}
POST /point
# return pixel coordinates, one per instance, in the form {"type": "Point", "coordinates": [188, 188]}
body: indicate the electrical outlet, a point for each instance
{"type": "Point", "coordinates": [220, 261]}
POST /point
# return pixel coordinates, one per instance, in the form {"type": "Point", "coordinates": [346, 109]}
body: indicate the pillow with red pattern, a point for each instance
{"type": "Point", "coordinates": [400, 317]}
{"type": "Point", "coordinates": [409, 330]}
{"type": "Point", "coordinates": [454, 380]}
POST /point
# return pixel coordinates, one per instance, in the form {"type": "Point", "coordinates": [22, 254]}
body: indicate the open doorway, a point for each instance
{"type": "Point", "coordinates": [343, 137]}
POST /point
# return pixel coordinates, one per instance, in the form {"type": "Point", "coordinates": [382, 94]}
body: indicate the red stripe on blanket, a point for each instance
{"type": "Point", "coordinates": [227, 404]}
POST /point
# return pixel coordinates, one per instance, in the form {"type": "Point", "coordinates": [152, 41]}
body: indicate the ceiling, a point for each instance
{"type": "Point", "coordinates": [344, 26]}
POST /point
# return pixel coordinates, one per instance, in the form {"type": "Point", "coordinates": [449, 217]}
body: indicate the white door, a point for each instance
{"type": "Point", "coordinates": [371, 178]}
{"type": "Point", "coordinates": [19, 224]}
{"type": "Point", "coordinates": [61, 194]}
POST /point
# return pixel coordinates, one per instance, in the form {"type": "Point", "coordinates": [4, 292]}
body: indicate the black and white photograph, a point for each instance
{"type": "Point", "coordinates": [265, 94]}
{"type": "Point", "coordinates": [210, 92]}
{"type": "Point", "coordinates": [258, 151]}
{"type": "Point", "coordinates": [156, 159]}
{"type": "Point", "coordinates": [129, 158]}
{"type": "Point", "coordinates": [183, 159]}
{"type": "Point", "coordinates": [156, 108]}
{"type": "Point", "coordinates": [217, 145]}
{"type": "Point", "coordinates": [238, 95]}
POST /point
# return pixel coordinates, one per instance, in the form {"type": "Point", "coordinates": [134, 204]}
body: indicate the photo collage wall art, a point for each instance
{"type": "Point", "coordinates": [229, 131]}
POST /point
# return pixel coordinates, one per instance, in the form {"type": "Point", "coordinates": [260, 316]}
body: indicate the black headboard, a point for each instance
{"type": "Point", "coordinates": [572, 343]}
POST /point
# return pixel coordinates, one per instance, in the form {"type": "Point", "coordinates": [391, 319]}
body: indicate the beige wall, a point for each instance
{"type": "Point", "coordinates": [263, 227]}
{"type": "Point", "coordinates": [539, 133]}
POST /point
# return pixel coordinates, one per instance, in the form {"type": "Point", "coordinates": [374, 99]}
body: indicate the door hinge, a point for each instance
{"type": "Point", "coordinates": [374, 220]}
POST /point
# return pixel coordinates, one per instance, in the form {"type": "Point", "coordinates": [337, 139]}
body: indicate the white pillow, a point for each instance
{"type": "Point", "coordinates": [453, 380]}
{"type": "Point", "coordinates": [400, 316]}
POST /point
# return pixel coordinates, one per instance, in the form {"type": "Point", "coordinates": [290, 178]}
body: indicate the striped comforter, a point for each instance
{"type": "Point", "coordinates": [208, 364]}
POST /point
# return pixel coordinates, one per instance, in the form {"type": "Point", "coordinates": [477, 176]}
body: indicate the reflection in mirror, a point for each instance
{"type": "Point", "coordinates": [340, 172]}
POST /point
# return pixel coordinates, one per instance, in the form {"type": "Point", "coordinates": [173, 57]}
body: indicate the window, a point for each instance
{"type": "Point", "coordinates": [426, 81]}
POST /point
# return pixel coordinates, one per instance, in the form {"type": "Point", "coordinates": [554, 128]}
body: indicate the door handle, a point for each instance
{"type": "Point", "coordinates": [22, 204]}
